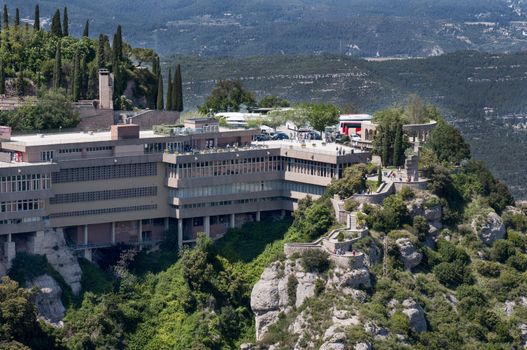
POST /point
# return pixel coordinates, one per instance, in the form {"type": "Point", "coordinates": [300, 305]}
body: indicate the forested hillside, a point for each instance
{"type": "Point", "coordinates": [358, 27]}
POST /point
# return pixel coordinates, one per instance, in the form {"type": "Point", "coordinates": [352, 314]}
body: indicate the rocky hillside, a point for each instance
{"type": "Point", "coordinates": [416, 280]}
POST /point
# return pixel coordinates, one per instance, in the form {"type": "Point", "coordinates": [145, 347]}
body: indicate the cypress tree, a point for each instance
{"type": "Point", "coordinates": [117, 44]}
{"type": "Point", "coordinates": [57, 69]}
{"type": "Point", "coordinates": [398, 145]}
{"type": "Point", "coordinates": [5, 17]}
{"type": "Point", "coordinates": [65, 25]}
{"type": "Point", "coordinates": [155, 66]}
{"type": "Point", "coordinates": [178, 90]}
{"type": "Point", "coordinates": [83, 78]}
{"type": "Point", "coordinates": [86, 31]}
{"type": "Point", "coordinates": [36, 24]}
{"type": "Point", "coordinates": [17, 18]}
{"type": "Point", "coordinates": [2, 79]}
{"type": "Point", "coordinates": [26, 27]}
{"type": "Point", "coordinates": [76, 81]}
{"type": "Point", "coordinates": [20, 84]}
{"type": "Point", "coordinates": [385, 148]}
{"type": "Point", "coordinates": [169, 91]}
{"type": "Point", "coordinates": [160, 102]}
{"type": "Point", "coordinates": [101, 55]}
{"type": "Point", "coordinates": [56, 28]}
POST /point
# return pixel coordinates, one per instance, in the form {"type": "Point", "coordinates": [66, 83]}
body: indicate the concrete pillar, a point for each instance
{"type": "Point", "coordinates": [233, 221]}
{"type": "Point", "coordinates": [140, 239]}
{"type": "Point", "coordinates": [180, 233]}
{"type": "Point", "coordinates": [88, 254]}
{"type": "Point", "coordinates": [206, 225]}
{"type": "Point", "coordinates": [35, 242]}
{"type": "Point", "coordinates": [85, 234]}
{"type": "Point", "coordinates": [113, 232]}
{"type": "Point", "coordinates": [258, 216]}
{"type": "Point", "coordinates": [167, 224]}
{"type": "Point", "coordinates": [282, 214]}
{"type": "Point", "coordinates": [9, 251]}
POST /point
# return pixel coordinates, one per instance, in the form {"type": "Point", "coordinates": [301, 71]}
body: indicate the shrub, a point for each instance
{"type": "Point", "coordinates": [450, 274]}
{"type": "Point", "coordinates": [292, 283]}
{"type": "Point", "coordinates": [502, 250]}
{"type": "Point", "coordinates": [350, 205]}
{"type": "Point", "coordinates": [340, 237]}
{"type": "Point", "coordinates": [488, 269]}
{"type": "Point", "coordinates": [315, 260]}
{"type": "Point", "coordinates": [400, 323]}
{"type": "Point", "coordinates": [421, 227]}
{"type": "Point", "coordinates": [407, 193]}
{"type": "Point", "coordinates": [516, 221]}
{"type": "Point", "coordinates": [320, 285]}
{"type": "Point", "coordinates": [518, 261]}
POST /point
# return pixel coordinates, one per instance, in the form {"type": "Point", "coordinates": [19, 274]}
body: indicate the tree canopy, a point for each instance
{"type": "Point", "coordinates": [227, 95]}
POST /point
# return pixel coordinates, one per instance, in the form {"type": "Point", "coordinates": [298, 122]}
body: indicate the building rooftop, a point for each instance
{"type": "Point", "coordinates": [22, 164]}
{"type": "Point", "coordinates": [74, 137]}
{"type": "Point", "coordinates": [312, 146]}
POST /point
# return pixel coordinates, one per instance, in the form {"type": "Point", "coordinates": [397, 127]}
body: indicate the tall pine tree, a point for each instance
{"type": "Point", "coordinates": [56, 28]}
{"type": "Point", "coordinates": [17, 18]}
{"type": "Point", "coordinates": [117, 44]}
{"type": "Point", "coordinates": [36, 24]}
{"type": "Point", "coordinates": [5, 18]}
{"type": "Point", "coordinates": [178, 90]}
{"type": "Point", "coordinates": [169, 91]}
{"type": "Point", "coordinates": [86, 31]}
{"type": "Point", "coordinates": [160, 103]}
{"type": "Point", "coordinates": [57, 69]}
{"type": "Point", "coordinates": [65, 24]}
{"type": "Point", "coordinates": [398, 152]}
{"type": "Point", "coordinates": [2, 79]}
{"type": "Point", "coordinates": [83, 78]}
{"type": "Point", "coordinates": [76, 81]}
{"type": "Point", "coordinates": [101, 53]}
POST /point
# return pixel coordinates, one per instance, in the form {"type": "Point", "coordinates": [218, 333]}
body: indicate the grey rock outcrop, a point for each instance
{"type": "Point", "coordinates": [416, 314]}
{"type": "Point", "coordinates": [51, 243]}
{"type": "Point", "coordinates": [306, 286]}
{"type": "Point", "coordinates": [409, 254]}
{"type": "Point", "coordinates": [48, 298]}
{"type": "Point", "coordinates": [355, 279]}
{"type": "Point", "coordinates": [489, 228]}
{"type": "Point", "coordinates": [523, 334]}
{"type": "Point", "coordinates": [362, 346]}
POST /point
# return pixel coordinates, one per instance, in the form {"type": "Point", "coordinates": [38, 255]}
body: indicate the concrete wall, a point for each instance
{"type": "Point", "coordinates": [147, 119]}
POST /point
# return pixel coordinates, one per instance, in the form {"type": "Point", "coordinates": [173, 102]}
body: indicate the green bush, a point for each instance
{"type": "Point", "coordinates": [488, 269]}
{"type": "Point", "coordinates": [315, 260]}
{"type": "Point", "coordinates": [320, 286]}
{"type": "Point", "coordinates": [407, 193]}
{"type": "Point", "coordinates": [350, 205]}
{"type": "Point", "coordinates": [292, 283]}
{"type": "Point", "coordinates": [502, 250]}
{"type": "Point", "coordinates": [421, 227]}
{"type": "Point", "coordinates": [516, 221]}
{"type": "Point", "coordinates": [400, 323]}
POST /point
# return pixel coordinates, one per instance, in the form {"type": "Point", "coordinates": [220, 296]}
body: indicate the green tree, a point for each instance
{"type": "Point", "coordinates": [273, 102]}
{"type": "Point", "coordinates": [20, 84]}
{"type": "Point", "coordinates": [56, 27]}
{"type": "Point", "coordinates": [5, 18]}
{"type": "Point", "coordinates": [398, 151]}
{"type": "Point", "coordinates": [227, 95]}
{"type": "Point", "coordinates": [36, 23]}
{"type": "Point", "coordinates": [76, 81]}
{"type": "Point", "coordinates": [448, 144]}
{"type": "Point", "coordinates": [415, 110]}
{"type": "Point", "coordinates": [178, 90]}
{"type": "Point", "coordinates": [389, 136]}
{"type": "Point", "coordinates": [17, 18]}
{"type": "Point", "coordinates": [353, 181]}
{"type": "Point", "coordinates": [65, 24]}
{"type": "Point", "coordinates": [2, 78]}
{"type": "Point", "coordinates": [196, 263]}
{"type": "Point", "coordinates": [101, 51]}
{"type": "Point", "coordinates": [321, 115]}
{"type": "Point", "coordinates": [117, 45]}
{"type": "Point", "coordinates": [86, 30]}
{"type": "Point", "coordinates": [160, 102]}
{"type": "Point", "coordinates": [170, 93]}
{"type": "Point", "coordinates": [57, 68]}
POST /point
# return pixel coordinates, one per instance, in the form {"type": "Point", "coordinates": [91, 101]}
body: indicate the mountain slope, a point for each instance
{"type": "Point", "coordinates": [253, 27]}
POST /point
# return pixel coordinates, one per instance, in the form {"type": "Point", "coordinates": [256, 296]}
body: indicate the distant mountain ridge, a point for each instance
{"type": "Point", "coordinates": [364, 28]}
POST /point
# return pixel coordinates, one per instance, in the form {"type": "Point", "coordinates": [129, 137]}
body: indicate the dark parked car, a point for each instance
{"type": "Point", "coordinates": [262, 137]}
{"type": "Point", "coordinates": [280, 136]}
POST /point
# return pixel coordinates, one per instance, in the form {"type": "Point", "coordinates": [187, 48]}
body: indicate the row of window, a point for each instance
{"type": "Point", "coordinates": [20, 221]}
{"type": "Point", "coordinates": [21, 205]}
{"type": "Point", "coordinates": [105, 172]}
{"type": "Point", "coordinates": [99, 148]}
{"type": "Point", "coordinates": [104, 211]}
{"type": "Point", "coordinates": [25, 183]}
{"type": "Point", "coordinates": [104, 195]}
{"type": "Point", "coordinates": [223, 203]}
{"type": "Point", "coordinates": [70, 150]}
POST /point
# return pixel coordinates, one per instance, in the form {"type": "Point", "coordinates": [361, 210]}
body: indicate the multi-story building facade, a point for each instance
{"type": "Point", "coordinates": [130, 186]}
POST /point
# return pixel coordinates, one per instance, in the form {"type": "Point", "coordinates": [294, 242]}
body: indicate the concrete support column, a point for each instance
{"type": "Point", "coordinates": [258, 216]}
{"type": "Point", "coordinates": [35, 242]}
{"type": "Point", "coordinates": [140, 223]}
{"type": "Point", "coordinates": [9, 251]}
{"type": "Point", "coordinates": [282, 214]}
{"type": "Point", "coordinates": [113, 232]}
{"type": "Point", "coordinates": [167, 224]}
{"type": "Point", "coordinates": [206, 225]}
{"type": "Point", "coordinates": [233, 221]}
{"type": "Point", "coordinates": [88, 254]}
{"type": "Point", "coordinates": [85, 234]}
{"type": "Point", "coordinates": [180, 233]}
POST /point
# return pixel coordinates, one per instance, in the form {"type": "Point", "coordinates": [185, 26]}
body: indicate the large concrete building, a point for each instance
{"type": "Point", "coordinates": [130, 186]}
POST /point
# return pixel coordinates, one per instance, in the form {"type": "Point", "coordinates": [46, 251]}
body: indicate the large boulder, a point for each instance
{"type": "Point", "coordinates": [305, 287]}
{"type": "Point", "coordinates": [355, 279]}
{"type": "Point", "coordinates": [489, 228]}
{"type": "Point", "coordinates": [416, 314]}
{"type": "Point", "coordinates": [265, 295]}
{"type": "Point", "coordinates": [47, 299]}
{"type": "Point", "coordinates": [409, 254]}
